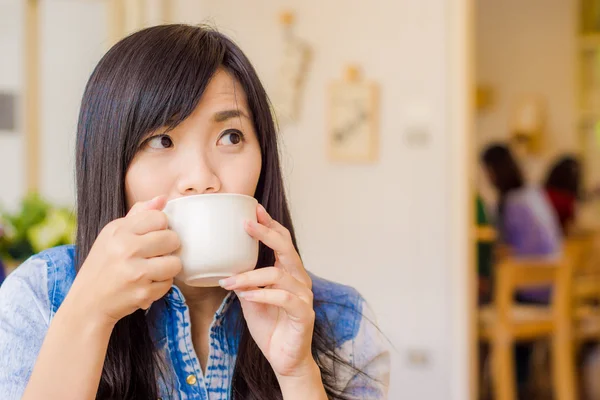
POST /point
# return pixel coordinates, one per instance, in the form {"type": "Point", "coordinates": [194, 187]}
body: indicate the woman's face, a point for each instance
{"type": "Point", "coordinates": [215, 150]}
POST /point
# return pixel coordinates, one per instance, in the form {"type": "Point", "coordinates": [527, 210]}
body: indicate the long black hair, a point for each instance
{"type": "Point", "coordinates": [151, 79]}
{"type": "Point", "coordinates": [506, 174]}
{"type": "Point", "coordinates": [565, 175]}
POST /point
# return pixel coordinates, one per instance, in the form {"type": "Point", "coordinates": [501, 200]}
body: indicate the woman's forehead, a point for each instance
{"type": "Point", "coordinates": [224, 91]}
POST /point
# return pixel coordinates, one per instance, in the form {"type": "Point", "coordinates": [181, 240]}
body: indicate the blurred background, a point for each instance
{"type": "Point", "coordinates": [537, 136]}
{"type": "Point", "coordinates": [441, 156]}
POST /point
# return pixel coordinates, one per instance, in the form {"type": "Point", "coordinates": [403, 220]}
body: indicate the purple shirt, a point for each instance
{"type": "Point", "coordinates": [530, 227]}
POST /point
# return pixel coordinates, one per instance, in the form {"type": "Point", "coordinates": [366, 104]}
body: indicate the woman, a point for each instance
{"type": "Point", "coordinates": [527, 224]}
{"type": "Point", "coordinates": [172, 111]}
{"type": "Point", "coordinates": [525, 218]}
{"type": "Point", "coordinates": [563, 189]}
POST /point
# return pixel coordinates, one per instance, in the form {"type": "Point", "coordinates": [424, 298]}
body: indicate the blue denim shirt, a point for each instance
{"type": "Point", "coordinates": [30, 297]}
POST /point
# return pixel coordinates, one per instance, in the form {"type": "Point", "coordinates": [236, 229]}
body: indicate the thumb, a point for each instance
{"type": "Point", "coordinates": [157, 203]}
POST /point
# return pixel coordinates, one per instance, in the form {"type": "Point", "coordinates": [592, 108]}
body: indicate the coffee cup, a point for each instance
{"type": "Point", "coordinates": [214, 243]}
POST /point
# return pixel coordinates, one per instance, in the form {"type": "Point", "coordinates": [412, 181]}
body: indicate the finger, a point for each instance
{"type": "Point", "coordinates": [157, 203]}
{"type": "Point", "coordinates": [273, 277]}
{"type": "Point", "coordinates": [265, 219]}
{"type": "Point", "coordinates": [163, 268]}
{"type": "Point", "coordinates": [147, 295]}
{"type": "Point", "coordinates": [158, 290]}
{"type": "Point", "coordinates": [284, 249]}
{"type": "Point", "coordinates": [147, 221]}
{"type": "Point", "coordinates": [158, 243]}
{"type": "Point", "coordinates": [271, 238]}
{"type": "Point", "coordinates": [295, 307]}
{"type": "Point", "coordinates": [137, 207]}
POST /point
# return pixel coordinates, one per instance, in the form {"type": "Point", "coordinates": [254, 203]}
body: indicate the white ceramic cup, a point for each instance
{"type": "Point", "coordinates": [214, 243]}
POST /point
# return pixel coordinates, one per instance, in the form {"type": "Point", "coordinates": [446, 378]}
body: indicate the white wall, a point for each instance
{"type": "Point", "coordinates": [67, 61]}
{"type": "Point", "coordinates": [382, 228]}
{"type": "Point", "coordinates": [12, 150]}
{"type": "Point", "coordinates": [72, 35]}
{"type": "Point", "coordinates": [528, 47]}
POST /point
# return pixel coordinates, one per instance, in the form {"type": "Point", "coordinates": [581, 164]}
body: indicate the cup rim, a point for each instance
{"type": "Point", "coordinates": [211, 195]}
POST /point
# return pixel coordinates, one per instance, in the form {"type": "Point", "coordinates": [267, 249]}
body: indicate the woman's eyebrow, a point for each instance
{"type": "Point", "coordinates": [222, 116]}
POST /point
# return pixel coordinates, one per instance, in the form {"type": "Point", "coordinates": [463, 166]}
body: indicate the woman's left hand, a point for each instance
{"type": "Point", "coordinates": [277, 301]}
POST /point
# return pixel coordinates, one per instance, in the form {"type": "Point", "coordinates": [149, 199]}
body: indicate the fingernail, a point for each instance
{"type": "Point", "coordinates": [246, 295]}
{"type": "Point", "coordinates": [263, 209]}
{"type": "Point", "coordinates": [227, 282]}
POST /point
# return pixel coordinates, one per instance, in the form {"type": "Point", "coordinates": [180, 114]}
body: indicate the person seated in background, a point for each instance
{"type": "Point", "coordinates": [525, 219]}
{"type": "Point", "coordinates": [527, 224]}
{"type": "Point", "coordinates": [563, 189]}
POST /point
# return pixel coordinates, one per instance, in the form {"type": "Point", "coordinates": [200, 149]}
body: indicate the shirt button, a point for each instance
{"type": "Point", "coordinates": [191, 380]}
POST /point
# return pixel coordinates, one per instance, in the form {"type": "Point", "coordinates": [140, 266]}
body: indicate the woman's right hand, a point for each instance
{"type": "Point", "coordinates": [129, 266]}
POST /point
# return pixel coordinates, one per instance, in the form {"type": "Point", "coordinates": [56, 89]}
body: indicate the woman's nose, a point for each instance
{"type": "Point", "coordinates": [198, 177]}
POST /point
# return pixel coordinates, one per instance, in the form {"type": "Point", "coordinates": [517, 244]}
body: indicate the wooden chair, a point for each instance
{"type": "Point", "coordinates": [585, 253]}
{"type": "Point", "coordinates": [584, 250]}
{"type": "Point", "coordinates": [502, 252]}
{"type": "Point", "coordinates": [505, 323]}
{"type": "Point", "coordinates": [486, 233]}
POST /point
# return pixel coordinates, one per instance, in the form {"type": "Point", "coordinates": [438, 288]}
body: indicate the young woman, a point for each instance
{"type": "Point", "coordinates": [172, 111]}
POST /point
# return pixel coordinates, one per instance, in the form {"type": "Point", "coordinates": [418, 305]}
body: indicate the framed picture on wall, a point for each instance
{"type": "Point", "coordinates": [293, 71]}
{"type": "Point", "coordinates": [352, 132]}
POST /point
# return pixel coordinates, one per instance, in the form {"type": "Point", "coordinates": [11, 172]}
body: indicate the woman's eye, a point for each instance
{"type": "Point", "coordinates": [160, 142]}
{"type": "Point", "coordinates": [231, 137]}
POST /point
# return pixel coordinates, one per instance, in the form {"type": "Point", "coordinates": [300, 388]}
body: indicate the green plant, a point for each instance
{"type": "Point", "coordinates": [36, 226]}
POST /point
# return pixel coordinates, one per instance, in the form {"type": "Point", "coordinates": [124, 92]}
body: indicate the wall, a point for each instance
{"type": "Point", "coordinates": [12, 151]}
{"type": "Point", "coordinates": [66, 60]}
{"type": "Point", "coordinates": [528, 47]}
{"type": "Point", "coordinates": [65, 71]}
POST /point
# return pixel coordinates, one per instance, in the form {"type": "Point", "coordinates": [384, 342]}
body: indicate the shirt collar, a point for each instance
{"type": "Point", "coordinates": [176, 298]}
